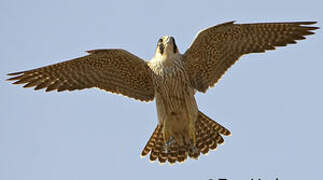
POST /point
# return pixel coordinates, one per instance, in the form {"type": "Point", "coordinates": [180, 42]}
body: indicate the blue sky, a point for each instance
{"type": "Point", "coordinates": [271, 102]}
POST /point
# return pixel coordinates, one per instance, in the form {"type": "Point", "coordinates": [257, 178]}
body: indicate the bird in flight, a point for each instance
{"type": "Point", "coordinates": [171, 78]}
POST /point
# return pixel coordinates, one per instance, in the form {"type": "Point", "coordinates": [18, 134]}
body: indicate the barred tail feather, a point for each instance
{"type": "Point", "coordinates": [219, 128]}
{"type": "Point", "coordinates": [151, 142]}
{"type": "Point", "coordinates": [157, 150]}
{"type": "Point", "coordinates": [208, 136]}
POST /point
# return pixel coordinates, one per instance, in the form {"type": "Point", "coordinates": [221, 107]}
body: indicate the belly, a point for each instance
{"type": "Point", "coordinates": [177, 111]}
{"type": "Point", "coordinates": [177, 101]}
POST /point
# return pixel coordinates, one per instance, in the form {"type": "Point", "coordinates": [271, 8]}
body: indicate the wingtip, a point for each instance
{"type": "Point", "coordinates": [306, 26]}
{"type": "Point", "coordinates": [304, 23]}
{"type": "Point", "coordinates": [227, 23]}
{"type": "Point", "coordinates": [15, 73]}
{"type": "Point", "coordinates": [308, 22]}
{"type": "Point", "coordinates": [11, 79]}
{"type": "Point", "coordinates": [17, 76]}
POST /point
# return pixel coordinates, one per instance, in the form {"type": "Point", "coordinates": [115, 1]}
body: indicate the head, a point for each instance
{"type": "Point", "coordinates": [166, 46]}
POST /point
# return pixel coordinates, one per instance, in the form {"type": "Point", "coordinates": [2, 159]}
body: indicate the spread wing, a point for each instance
{"type": "Point", "coordinates": [217, 48]}
{"type": "Point", "coordinates": [114, 70]}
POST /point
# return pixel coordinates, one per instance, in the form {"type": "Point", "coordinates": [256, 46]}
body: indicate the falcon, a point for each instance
{"type": "Point", "coordinates": [171, 78]}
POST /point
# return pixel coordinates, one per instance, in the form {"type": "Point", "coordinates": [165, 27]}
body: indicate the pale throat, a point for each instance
{"type": "Point", "coordinates": [166, 59]}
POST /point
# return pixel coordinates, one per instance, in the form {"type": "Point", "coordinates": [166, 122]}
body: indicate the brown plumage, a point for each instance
{"type": "Point", "coordinates": [113, 70]}
{"type": "Point", "coordinates": [171, 78]}
{"type": "Point", "coordinates": [217, 48]}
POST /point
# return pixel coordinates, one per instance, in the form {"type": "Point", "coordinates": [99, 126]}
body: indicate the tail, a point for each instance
{"type": "Point", "coordinates": [208, 136]}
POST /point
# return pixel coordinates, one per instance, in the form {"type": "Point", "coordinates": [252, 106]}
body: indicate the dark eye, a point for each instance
{"type": "Point", "coordinates": [161, 48]}
{"type": "Point", "coordinates": [160, 40]}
